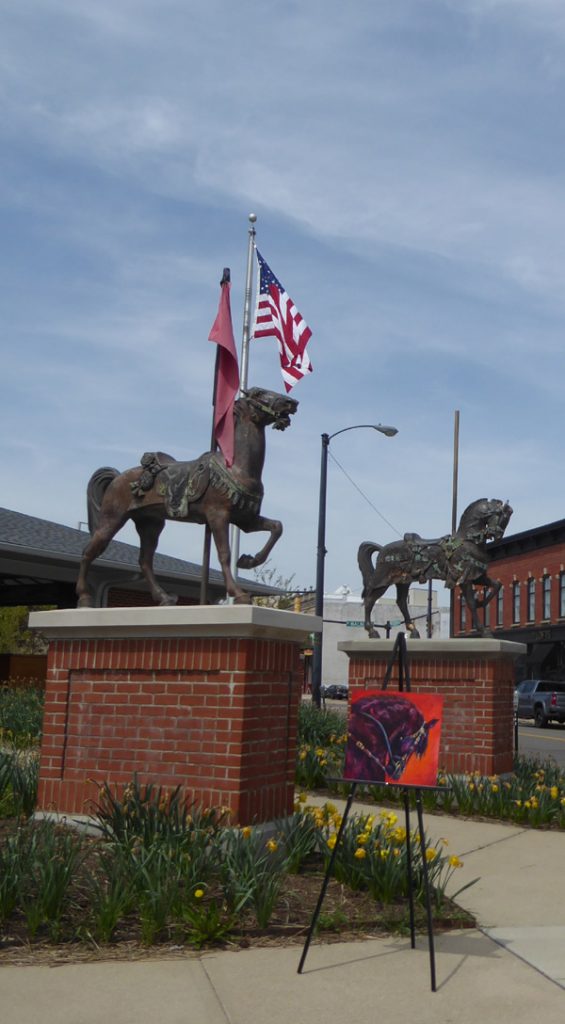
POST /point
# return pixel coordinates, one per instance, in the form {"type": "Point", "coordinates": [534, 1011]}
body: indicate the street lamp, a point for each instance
{"type": "Point", "coordinates": [321, 552]}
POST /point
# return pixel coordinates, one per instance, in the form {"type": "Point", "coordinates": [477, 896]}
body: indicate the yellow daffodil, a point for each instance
{"type": "Point", "coordinates": [455, 862]}
{"type": "Point", "coordinates": [554, 792]}
{"type": "Point", "coordinates": [272, 845]}
{"type": "Point", "coordinates": [246, 832]}
{"type": "Point", "coordinates": [360, 853]}
{"type": "Point", "coordinates": [198, 894]}
{"type": "Point", "coordinates": [431, 854]}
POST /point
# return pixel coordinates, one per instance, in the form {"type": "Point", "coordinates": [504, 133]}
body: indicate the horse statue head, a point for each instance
{"type": "Point", "coordinates": [485, 520]}
{"type": "Point", "coordinates": [266, 408]}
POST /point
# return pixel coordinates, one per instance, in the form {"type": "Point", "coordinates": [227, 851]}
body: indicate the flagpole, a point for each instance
{"type": "Point", "coordinates": [454, 496]}
{"type": "Point", "coordinates": [244, 361]}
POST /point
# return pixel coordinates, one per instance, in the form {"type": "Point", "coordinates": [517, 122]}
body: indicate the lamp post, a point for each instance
{"type": "Point", "coordinates": [321, 550]}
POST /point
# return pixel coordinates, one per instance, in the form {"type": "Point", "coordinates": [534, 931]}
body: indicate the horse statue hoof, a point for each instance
{"type": "Point", "coordinates": [246, 562]}
{"type": "Point", "coordinates": [85, 601]}
{"type": "Point", "coordinates": [167, 600]}
{"type": "Point", "coordinates": [242, 599]}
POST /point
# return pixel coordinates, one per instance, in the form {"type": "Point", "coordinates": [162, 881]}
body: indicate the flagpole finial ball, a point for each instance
{"type": "Point", "coordinates": [252, 217]}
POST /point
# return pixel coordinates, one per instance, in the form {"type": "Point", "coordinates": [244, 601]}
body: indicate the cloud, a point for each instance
{"type": "Point", "coordinates": [407, 174]}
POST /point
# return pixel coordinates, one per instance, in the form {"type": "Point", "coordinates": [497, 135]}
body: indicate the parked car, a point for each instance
{"type": "Point", "coordinates": [335, 691]}
{"type": "Point", "coordinates": [541, 699]}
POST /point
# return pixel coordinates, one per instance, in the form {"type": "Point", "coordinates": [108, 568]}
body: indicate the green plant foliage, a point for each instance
{"type": "Point", "coordinates": [206, 920]}
{"type": "Point", "coordinates": [19, 778]}
{"type": "Point", "coordinates": [533, 795]}
{"type": "Point", "coordinates": [300, 839]}
{"type": "Point", "coordinates": [252, 872]}
{"type": "Point", "coordinates": [53, 855]}
{"type": "Point", "coordinates": [151, 814]}
{"type": "Point", "coordinates": [21, 713]}
{"type": "Point", "coordinates": [15, 637]}
{"type": "Point", "coordinates": [318, 727]}
{"type": "Point", "coordinates": [197, 885]}
{"type": "Point", "coordinates": [109, 889]}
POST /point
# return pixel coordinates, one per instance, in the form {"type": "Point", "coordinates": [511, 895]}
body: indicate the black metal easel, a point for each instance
{"type": "Point", "coordinates": [399, 657]}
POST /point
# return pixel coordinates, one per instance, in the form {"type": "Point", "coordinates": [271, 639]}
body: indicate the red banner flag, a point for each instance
{"type": "Point", "coordinates": [227, 374]}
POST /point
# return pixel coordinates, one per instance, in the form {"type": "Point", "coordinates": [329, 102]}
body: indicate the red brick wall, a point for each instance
{"type": "Point", "coordinates": [478, 725]}
{"type": "Point", "coordinates": [547, 561]}
{"type": "Point", "coordinates": [217, 716]}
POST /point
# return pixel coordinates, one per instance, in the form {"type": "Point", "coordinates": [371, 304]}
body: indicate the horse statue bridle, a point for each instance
{"type": "Point", "coordinates": [267, 409]}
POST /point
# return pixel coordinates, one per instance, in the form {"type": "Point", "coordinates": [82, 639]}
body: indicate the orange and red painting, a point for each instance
{"type": "Point", "coordinates": [393, 737]}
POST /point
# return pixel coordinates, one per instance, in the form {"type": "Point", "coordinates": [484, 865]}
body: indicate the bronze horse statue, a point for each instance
{"type": "Point", "coordinates": [203, 491]}
{"type": "Point", "coordinates": [460, 559]}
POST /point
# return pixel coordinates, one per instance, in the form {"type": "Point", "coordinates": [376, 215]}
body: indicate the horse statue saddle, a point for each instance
{"type": "Point", "coordinates": [152, 464]}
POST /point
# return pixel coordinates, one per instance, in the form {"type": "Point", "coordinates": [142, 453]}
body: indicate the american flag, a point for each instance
{"type": "Point", "coordinates": [277, 316]}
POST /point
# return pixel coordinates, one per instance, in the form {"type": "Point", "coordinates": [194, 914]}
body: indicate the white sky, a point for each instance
{"type": "Point", "coordinates": [405, 161]}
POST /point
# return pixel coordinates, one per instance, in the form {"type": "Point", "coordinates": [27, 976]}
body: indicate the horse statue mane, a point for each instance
{"type": "Point", "coordinates": [459, 559]}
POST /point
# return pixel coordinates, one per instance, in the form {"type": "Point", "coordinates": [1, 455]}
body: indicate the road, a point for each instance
{"type": "Point", "coordinates": [542, 743]}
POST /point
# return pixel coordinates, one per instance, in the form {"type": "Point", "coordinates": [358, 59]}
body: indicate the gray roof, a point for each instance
{"type": "Point", "coordinates": [42, 537]}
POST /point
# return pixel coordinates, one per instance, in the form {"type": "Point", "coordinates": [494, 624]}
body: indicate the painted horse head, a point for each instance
{"type": "Point", "coordinates": [384, 733]}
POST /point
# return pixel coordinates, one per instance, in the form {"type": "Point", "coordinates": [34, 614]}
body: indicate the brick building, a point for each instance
{"type": "Point", "coordinates": [530, 606]}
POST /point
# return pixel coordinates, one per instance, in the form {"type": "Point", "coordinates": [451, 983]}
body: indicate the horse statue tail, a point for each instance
{"type": "Point", "coordinates": [365, 561]}
{"type": "Point", "coordinates": [97, 485]}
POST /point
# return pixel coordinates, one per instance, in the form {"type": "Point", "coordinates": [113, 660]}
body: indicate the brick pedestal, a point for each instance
{"type": "Point", "coordinates": [205, 697]}
{"type": "Point", "coordinates": [476, 680]}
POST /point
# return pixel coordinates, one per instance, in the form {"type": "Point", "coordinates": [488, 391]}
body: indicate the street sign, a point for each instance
{"type": "Point", "coordinates": [354, 622]}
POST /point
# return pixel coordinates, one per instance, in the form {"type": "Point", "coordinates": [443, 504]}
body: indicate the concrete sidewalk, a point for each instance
{"type": "Point", "coordinates": [512, 968]}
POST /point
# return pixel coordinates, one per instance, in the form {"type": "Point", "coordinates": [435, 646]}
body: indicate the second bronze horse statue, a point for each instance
{"type": "Point", "coordinates": [204, 491]}
{"type": "Point", "coordinates": [460, 559]}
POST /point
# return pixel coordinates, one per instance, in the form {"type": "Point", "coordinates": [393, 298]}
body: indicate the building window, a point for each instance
{"type": "Point", "coordinates": [463, 614]}
{"type": "Point", "coordinates": [487, 608]}
{"type": "Point", "coordinates": [531, 600]}
{"type": "Point", "coordinates": [562, 595]}
{"type": "Point", "coordinates": [500, 607]}
{"type": "Point", "coordinates": [515, 602]}
{"type": "Point", "coordinates": [546, 597]}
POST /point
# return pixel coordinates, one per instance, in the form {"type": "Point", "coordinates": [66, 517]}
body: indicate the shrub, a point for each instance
{"type": "Point", "coordinates": [19, 778]}
{"type": "Point", "coordinates": [21, 713]}
{"type": "Point", "coordinates": [318, 727]}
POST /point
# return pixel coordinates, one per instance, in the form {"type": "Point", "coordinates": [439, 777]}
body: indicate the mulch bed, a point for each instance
{"type": "Point", "coordinates": [346, 915]}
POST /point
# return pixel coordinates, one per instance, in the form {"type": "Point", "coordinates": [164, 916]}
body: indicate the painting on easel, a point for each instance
{"type": "Point", "coordinates": [393, 737]}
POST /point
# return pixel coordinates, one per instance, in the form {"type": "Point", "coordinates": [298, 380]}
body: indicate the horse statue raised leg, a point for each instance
{"type": "Point", "coordinates": [460, 560]}
{"type": "Point", "coordinates": [203, 491]}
